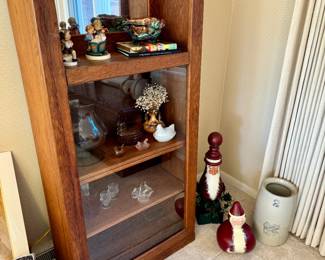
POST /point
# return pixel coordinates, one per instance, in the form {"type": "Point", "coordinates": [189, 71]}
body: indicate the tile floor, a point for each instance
{"type": "Point", "coordinates": [205, 246]}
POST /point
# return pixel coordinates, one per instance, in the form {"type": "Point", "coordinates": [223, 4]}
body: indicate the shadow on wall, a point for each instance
{"type": "Point", "coordinates": [231, 159]}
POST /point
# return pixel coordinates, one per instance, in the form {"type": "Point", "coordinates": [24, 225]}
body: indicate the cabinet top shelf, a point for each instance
{"type": "Point", "coordinates": [120, 65]}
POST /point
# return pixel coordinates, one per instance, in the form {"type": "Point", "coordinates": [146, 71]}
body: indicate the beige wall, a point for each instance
{"type": "Point", "coordinates": [16, 133]}
{"type": "Point", "coordinates": [216, 33]}
{"type": "Point", "coordinates": [259, 33]}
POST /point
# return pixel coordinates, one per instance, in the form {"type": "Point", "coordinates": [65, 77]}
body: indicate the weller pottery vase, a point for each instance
{"type": "Point", "coordinates": [151, 123]}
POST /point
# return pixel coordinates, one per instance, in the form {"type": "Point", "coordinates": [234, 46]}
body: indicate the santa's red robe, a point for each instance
{"type": "Point", "coordinates": [227, 241]}
{"type": "Point", "coordinates": [211, 185]}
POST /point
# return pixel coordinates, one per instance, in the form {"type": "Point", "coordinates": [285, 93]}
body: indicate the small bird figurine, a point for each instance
{"type": "Point", "coordinates": [234, 235]}
{"type": "Point", "coordinates": [164, 134]}
{"type": "Point", "coordinates": [211, 186]}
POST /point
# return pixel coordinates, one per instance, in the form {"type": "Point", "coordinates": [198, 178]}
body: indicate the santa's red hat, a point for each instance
{"type": "Point", "coordinates": [213, 156]}
{"type": "Point", "coordinates": [236, 209]}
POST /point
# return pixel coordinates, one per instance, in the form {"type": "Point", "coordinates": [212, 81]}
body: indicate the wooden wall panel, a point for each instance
{"type": "Point", "coordinates": [176, 15]}
{"type": "Point", "coordinates": [138, 8]}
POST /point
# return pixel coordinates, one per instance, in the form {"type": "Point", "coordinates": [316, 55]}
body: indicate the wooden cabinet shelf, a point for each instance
{"type": "Point", "coordinates": [98, 219]}
{"type": "Point", "coordinates": [112, 164]}
{"type": "Point", "coordinates": [120, 65]}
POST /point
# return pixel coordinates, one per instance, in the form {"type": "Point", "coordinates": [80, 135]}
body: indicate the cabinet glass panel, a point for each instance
{"type": "Point", "coordinates": [130, 163]}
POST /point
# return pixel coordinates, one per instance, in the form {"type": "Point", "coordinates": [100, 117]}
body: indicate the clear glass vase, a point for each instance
{"type": "Point", "coordinates": [89, 133]}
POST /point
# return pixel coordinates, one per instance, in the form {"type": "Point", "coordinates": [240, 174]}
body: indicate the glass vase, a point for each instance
{"type": "Point", "coordinates": [89, 133]}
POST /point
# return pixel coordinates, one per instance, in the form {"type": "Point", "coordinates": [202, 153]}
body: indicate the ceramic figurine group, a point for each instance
{"type": "Point", "coordinates": [212, 203]}
{"type": "Point", "coordinates": [146, 29]}
{"type": "Point", "coordinates": [96, 38]}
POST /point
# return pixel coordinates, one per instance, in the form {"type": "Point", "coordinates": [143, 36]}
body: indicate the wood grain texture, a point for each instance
{"type": "Point", "coordinates": [37, 41]}
{"type": "Point", "coordinates": [138, 8]}
{"type": "Point", "coordinates": [149, 228]}
{"type": "Point", "coordinates": [98, 219]}
{"type": "Point", "coordinates": [120, 65]}
{"type": "Point", "coordinates": [168, 247]}
{"type": "Point", "coordinates": [112, 164]}
{"type": "Point", "coordinates": [176, 15]}
{"type": "Point", "coordinates": [193, 98]}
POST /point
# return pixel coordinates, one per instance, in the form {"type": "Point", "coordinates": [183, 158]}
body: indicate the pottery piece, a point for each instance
{"type": "Point", "coordinates": [275, 207]}
{"type": "Point", "coordinates": [150, 125]}
{"type": "Point", "coordinates": [68, 53]}
{"type": "Point", "coordinates": [164, 134]}
{"type": "Point", "coordinates": [234, 235]}
{"type": "Point", "coordinates": [144, 29]}
{"type": "Point", "coordinates": [96, 38]}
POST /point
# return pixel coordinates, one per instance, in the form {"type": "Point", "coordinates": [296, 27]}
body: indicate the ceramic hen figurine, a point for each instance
{"type": "Point", "coordinates": [234, 235]}
{"type": "Point", "coordinates": [164, 134]}
{"type": "Point", "coordinates": [211, 186]}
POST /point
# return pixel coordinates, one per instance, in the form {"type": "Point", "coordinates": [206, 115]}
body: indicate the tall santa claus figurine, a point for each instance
{"type": "Point", "coordinates": [211, 200]}
{"type": "Point", "coordinates": [234, 235]}
{"type": "Point", "coordinates": [211, 186]}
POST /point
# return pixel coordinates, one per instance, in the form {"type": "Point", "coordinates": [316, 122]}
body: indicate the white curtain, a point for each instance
{"type": "Point", "coordinates": [296, 145]}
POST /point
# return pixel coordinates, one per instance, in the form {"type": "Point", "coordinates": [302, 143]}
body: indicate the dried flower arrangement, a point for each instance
{"type": "Point", "coordinates": [154, 95]}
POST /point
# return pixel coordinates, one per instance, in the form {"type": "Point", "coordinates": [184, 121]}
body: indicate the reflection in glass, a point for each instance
{"type": "Point", "coordinates": [84, 10]}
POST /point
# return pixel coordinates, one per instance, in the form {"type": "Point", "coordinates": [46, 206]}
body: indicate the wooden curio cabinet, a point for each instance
{"type": "Point", "coordinates": [81, 228]}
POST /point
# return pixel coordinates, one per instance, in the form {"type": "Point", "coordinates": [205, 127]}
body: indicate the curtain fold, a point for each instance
{"type": "Point", "coordinates": [296, 144]}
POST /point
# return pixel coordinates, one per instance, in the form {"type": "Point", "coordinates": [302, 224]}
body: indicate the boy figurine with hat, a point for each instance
{"type": "Point", "coordinates": [234, 235]}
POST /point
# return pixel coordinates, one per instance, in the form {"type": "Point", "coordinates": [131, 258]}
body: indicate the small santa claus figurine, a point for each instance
{"type": "Point", "coordinates": [211, 186]}
{"type": "Point", "coordinates": [234, 235]}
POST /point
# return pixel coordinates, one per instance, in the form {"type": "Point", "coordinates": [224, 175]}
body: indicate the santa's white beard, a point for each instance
{"type": "Point", "coordinates": [212, 184]}
{"type": "Point", "coordinates": [238, 237]}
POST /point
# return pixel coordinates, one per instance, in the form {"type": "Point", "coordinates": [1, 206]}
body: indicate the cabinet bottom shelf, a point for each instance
{"type": "Point", "coordinates": [137, 234]}
{"type": "Point", "coordinates": [164, 185]}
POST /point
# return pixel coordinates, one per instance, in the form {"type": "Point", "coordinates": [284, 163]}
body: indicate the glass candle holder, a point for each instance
{"type": "Point", "coordinates": [105, 198]}
{"type": "Point", "coordinates": [113, 189]}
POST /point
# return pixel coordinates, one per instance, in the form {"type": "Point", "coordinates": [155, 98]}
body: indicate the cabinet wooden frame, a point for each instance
{"type": "Point", "coordinates": [37, 41]}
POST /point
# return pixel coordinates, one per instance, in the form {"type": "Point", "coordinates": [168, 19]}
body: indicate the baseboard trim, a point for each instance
{"type": "Point", "coordinates": [228, 179]}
